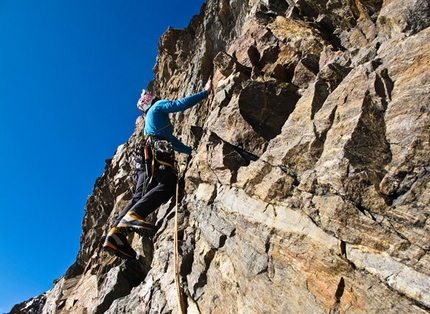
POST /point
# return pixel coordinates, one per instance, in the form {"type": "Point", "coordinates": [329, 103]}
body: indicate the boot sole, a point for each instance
{"type": "Point", "coordinates": [142, 231]}
{"type": "Point", "coordinates": [113, 250]}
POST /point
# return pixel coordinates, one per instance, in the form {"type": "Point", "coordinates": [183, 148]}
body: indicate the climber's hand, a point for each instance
{"type": "Point", "coordinates": [208, 86]}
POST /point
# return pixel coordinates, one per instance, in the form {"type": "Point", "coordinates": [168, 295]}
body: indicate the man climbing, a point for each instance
{"type": "Point", "coordinates": [157, 181]}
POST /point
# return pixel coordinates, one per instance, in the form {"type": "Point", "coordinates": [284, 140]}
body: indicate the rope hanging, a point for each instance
{"type": "Point", "coordinates": [179, 291]}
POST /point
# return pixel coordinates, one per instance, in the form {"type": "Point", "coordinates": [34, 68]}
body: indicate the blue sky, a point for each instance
{"type": "Point", "coordinates": [71, 72]}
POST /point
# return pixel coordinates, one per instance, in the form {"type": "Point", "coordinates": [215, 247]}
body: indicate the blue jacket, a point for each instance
{"type": "Point", "coordinates": [157, 120]}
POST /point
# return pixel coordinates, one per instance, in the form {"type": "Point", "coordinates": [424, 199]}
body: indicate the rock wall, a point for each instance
{"type": "Point", "coordinates": [309, 189]}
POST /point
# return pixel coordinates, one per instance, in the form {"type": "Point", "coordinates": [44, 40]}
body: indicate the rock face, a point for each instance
{"type": "Point", "coordinates": [309, 188]}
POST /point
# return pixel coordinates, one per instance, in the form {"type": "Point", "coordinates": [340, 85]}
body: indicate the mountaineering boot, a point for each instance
{"type": "Point", "coordinates": [116, 243]}
{"type": "Point", "coordinates": [132, 221]}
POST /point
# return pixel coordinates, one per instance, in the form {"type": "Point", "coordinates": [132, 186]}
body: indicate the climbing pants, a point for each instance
{"type": "Point", "coordinates": [162, 187]}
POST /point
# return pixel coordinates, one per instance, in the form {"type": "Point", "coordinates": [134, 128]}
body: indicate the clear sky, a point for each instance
{"type": "Point", "coordinates": [71, 72]}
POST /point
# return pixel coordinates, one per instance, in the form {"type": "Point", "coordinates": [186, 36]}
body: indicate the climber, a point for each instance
{"type": "Point", "coordinates": [148, 196]}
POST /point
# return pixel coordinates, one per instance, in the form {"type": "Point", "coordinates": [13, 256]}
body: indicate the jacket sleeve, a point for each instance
{"type": "Point", "coordinates": [181, 104]}
{"type": "Point", "coordinates": [180, 147]}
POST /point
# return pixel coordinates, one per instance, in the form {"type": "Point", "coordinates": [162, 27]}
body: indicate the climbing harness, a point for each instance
{"type": "Point", "coordinates": [150, 152]}
{"type": "Point", "coordinates": [162, 152]}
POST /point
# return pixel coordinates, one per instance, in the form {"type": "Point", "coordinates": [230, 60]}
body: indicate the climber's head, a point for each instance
{"type": "Point", "coordinates": [145, 101]}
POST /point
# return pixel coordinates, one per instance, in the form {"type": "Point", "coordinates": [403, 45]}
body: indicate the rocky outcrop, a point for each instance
{"type": "Point", "coordinates": [308, 191]}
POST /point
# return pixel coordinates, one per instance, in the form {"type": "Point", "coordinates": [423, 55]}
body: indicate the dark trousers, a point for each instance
{"type": "Point", "coordinates": [162, 187]}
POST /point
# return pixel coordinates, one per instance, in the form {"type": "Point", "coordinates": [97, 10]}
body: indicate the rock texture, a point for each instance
{"type": "Point", "coordinates": [309, 188]}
